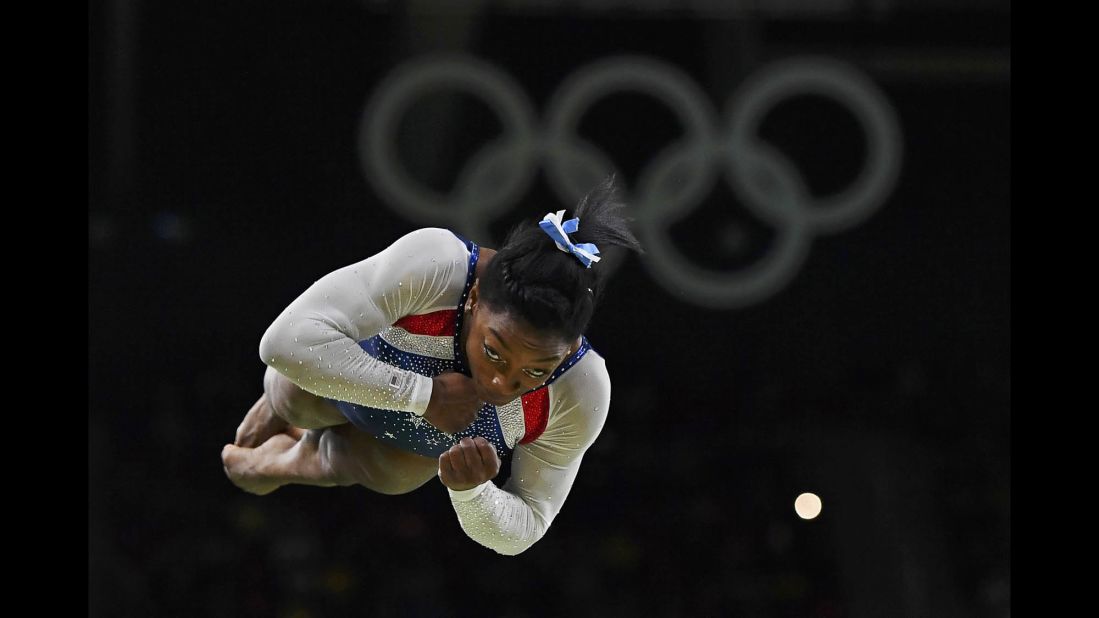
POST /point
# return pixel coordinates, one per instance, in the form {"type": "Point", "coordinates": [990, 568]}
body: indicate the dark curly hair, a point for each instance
{"type": "Point", "coordinates": [531, 279]}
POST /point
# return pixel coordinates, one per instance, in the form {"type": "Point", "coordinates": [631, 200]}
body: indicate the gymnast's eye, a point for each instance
{"type": "Point", "coordinates": [493, 356]}
{"type": "Point", "coordinates": [535, 373]}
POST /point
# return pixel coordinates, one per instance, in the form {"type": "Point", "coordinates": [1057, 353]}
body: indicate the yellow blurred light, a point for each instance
{"type": "Point", "coordinates": [807, 506]}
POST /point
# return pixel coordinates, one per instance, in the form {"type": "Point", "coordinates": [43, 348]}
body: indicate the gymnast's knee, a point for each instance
{"type": "Point", "coordinates": [289, 401]}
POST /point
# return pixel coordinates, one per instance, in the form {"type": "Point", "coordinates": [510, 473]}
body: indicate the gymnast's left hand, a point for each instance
{"type": "Point", "coordinates": [468, 464]}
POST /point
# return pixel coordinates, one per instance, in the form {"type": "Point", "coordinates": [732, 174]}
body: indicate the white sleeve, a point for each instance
{"type": "Point", "coordinates": [509, 520]}
{"type": "Point", "coordinates": [315, 341]}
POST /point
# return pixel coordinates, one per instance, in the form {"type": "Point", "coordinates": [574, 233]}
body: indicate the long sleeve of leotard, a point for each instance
{"type": "Point", "coordinates": [512, 518]}
{"type": "Point", "coordinates": [314, 341]}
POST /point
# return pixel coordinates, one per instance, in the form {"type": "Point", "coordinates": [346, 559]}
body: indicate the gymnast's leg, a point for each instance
{"type": "Point", "coordinates": [339, 455]}
{"type": "Point", "coordinates": [283, 405]}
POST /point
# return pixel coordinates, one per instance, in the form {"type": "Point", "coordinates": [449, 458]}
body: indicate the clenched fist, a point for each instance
{"type": "Point", "coordinates": [468, 464]}
{"type": "Point", "coordinates": [454, 402]}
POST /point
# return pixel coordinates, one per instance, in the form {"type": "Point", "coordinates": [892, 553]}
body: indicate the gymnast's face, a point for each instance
{"type": "Point", "coordinates": [507, 356]}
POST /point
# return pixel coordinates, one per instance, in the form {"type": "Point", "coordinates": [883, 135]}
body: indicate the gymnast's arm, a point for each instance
{"type": "Point", "coordinates": [315, 341]}
{"type": "Point", "coordinates": [509, 520]}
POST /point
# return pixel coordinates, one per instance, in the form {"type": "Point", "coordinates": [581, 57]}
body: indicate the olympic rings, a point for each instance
{"type": "Point", "coordinates": [671, 185]}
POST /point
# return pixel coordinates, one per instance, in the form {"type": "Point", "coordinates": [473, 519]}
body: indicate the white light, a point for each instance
{"type": "Point", "coordinates": [807, 506]}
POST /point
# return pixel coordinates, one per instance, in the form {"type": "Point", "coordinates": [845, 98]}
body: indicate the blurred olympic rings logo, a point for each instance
{"type": "Point", "coordinates": [671, 185]}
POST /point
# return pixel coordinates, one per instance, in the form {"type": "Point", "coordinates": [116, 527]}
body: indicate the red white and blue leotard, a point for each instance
{"type": "Point", "coordinates": [369, 336]}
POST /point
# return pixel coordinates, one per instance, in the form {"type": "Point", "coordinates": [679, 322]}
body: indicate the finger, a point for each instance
{"type": "Point", "coordinates": [488, 452]}
{"type": "Point", "coordinates": [457, 460]}
{"type": "Point", "coordinates": [470, 454]}
{"type": "Point", "coordinates": [468, 415]}
{"type": "Point", "coordinates": [446, 467]}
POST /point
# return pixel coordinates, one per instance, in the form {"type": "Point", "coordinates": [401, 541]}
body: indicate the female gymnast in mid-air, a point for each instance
{"type": "Point", "coordinates": [437, 357]}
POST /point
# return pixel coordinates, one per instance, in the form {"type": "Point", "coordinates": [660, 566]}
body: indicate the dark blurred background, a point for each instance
{"type": "Point", "coordinates": [229, 168]}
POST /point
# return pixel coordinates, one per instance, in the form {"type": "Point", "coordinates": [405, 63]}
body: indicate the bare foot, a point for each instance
{"type": "Point", "coordinates": [245, 466]}
{"type": "Point", "coordinates": [259, 424]}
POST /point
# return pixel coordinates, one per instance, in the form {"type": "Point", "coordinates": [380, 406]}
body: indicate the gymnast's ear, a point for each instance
{"type": "Point", "coordinates": [471, 302]}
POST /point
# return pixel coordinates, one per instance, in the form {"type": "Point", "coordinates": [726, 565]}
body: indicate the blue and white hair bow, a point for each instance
{"type": "Point", "coordinates": [559, 231]}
